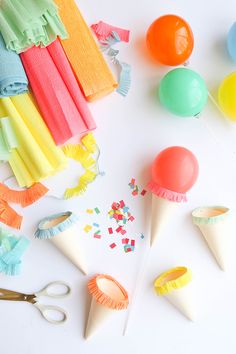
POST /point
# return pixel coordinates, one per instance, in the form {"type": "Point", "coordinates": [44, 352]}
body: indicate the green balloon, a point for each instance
{"type": "Point", "coordinates": [183, 92]}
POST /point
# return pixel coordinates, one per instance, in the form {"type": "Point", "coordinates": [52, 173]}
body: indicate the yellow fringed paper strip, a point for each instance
{"type": "Point", "coordinates": [89, 66]}
{"type": "Point", "coordinates": [172, 279]}
{"type": "Point", "coordinates": [36, 156]}
{"type": "Point", "coordinates": [83, 154]}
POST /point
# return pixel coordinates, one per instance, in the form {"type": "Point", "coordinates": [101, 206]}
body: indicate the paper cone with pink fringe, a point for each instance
{"type": "Point", "coordinates": [215, 224]}
{"type": "Point", "coordinates": [62, 232]}
{"type": "Point", "coordinates": [174, 172]}
{"type": "Point", "coordinates": [175, 285]}
{"type": "Point", "coordinates": [108, 296]}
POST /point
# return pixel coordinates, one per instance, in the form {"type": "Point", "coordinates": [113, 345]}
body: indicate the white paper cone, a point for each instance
{"type": "Point", "coordinates": [162, 210]}
{"type": "Point", "coordinates": [68, 243]}
{"type": "Point", "coordinates": [183, 300]}
{"type": "Point", "coordinates": [215, 225]}
{"type": "Point", "coordinates": [98, 315]}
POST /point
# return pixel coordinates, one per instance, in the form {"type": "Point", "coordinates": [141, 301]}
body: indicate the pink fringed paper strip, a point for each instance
{"type": "Point", "coordinates": [166, 193]}
{"type": "Point", "coordinates": [57, 92]}
{"type": "Point", "coordinates": [103, 30]}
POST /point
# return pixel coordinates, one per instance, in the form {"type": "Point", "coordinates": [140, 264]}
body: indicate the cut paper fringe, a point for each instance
{"type": "Point", "coordinates": [104, 299]}
{"type": "Point", "coordinates": [198, 217]}
{"type": "Point", "coordinates": [12, 249]}
{"type": "Point", "coordinates": [92, 72]}
{"type": "Point", "coordinates": [23, 197]}
{"type": "Point", "coordinates": [166, 193]}
{"type": "Point", "coordinates": [25, 23]}
{"type": "Point", "coordinates": [103, 30]}
{"type": "Point", "coordinates": [8, 140]}
{"type": "Point", "coordinates": [68, 219]}
{"type": "Point", "coordinates": [124, 80]}
{"type": "Point", "coordinates": [83, 154]}
{"type": "Point", "coordinates": [9, 216]}
{"type": "Point", "coordinates": [173, 279]}
{"type": "Point", "coordinates": [63, 106]}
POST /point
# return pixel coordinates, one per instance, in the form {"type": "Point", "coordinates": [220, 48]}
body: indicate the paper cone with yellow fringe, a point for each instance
{"type": "Point", "coordinates": [175, 285]}
{"type": "Point", "coordinates": [108, 296]}
{"type": "Point", "coordinates": [62, 232]}
{"type": "Point", "coordinates": [215, 224]}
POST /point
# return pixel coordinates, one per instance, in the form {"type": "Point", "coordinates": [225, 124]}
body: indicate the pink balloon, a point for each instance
{"type": "Point", "coordinates": [175, 169]}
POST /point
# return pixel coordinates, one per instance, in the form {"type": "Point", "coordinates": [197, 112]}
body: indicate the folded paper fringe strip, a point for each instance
{"type": "Point", "coordinates": [13, 80]}
{"type": "Point", "coordinates": [25, 23]}
{"type": "Point", "coordinates": [173, 279]}
{"type": "Point", "coordinates": [102, 298]}
{"type": "Point", "coordinates": [61, 102]}
{"type": "Point", "coordinates": [199, 215]}
{"type": "Point", "coordinates": [9, 216]}
{"type": "Point", "coordinates": [36, 156]}
{"type": "Point", "coordinates": [8, 139]}
{"type": "Point", "coordinates": [166, 193]}
{"type": "Point", "coordinates": [12, 249]}
{"type": "Point", "coordinates": [84, 154]}
{"type": "Point", "coordinates": [68, 220]}
{"type": "Point", "coordinates": [92, 72]}
{"type": "Point", "coordinates": [113, 36]}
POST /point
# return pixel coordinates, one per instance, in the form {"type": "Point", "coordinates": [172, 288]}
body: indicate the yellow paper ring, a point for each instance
{"type": "Point", "coordinates": [172, 279]}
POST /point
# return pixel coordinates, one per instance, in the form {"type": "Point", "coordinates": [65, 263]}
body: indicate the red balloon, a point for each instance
{"type": "Point", "coordinates": [175, 169]}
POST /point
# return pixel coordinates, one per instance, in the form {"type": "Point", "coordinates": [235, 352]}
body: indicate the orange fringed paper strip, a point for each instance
{"type": "Point", "coordinates": [90, 68]}
{"type": "Point", "coordinates": [9, 216]}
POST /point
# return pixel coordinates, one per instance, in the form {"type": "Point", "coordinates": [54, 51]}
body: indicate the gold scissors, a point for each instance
{"type": "Point", "coordinates": [34, 298]}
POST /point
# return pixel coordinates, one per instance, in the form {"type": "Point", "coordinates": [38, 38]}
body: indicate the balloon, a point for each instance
{"type": "Point", "coordinates": [183, 92]}
{"type": "Point", "coordinates": [231, 42]}
{"type": "Point", "coordinates": [170, 40]}
{"type": "Point", "coordinates": [227, 96]}
{"type": "Point", "coordinates": [175, 169]}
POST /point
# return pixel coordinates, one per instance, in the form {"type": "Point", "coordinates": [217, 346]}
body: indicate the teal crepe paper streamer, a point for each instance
{"type": "Point", "coordinates": [43, 232]}
{"type": "Point", "coordinates": [12, 249]}
{"type": "Point", "coordinates": [13, 80]}
{"type": "Point", "coordinates": [125, 79]}
{"type": "Point", "coordinates": [201, 220]}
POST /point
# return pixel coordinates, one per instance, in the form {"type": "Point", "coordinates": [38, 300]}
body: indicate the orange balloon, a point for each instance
{"type": "Point", "coordinates": [170, 40]}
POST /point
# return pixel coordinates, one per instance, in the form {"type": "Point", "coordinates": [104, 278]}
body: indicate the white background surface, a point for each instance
{"type": "Point", "coordinates": [130, 133]}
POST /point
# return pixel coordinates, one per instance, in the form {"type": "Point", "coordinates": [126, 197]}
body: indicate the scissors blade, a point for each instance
{"type": "Point", "coordinates": [11, 295]}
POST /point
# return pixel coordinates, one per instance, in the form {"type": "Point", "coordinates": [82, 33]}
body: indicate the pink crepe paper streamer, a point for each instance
{"type": "Point", "coordinates": [57, 92]}
{"type": "Point", "coordinates": [103, 30]}
{"type": "Point", "coordinates": [166, 193]}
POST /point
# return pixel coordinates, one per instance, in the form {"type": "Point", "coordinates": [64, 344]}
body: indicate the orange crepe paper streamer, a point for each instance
{"type": "Point", "coordinates": [94, 76]}
{"type": "Point", "coordinates": [25, 197]}
{"type": "Point", "coordinates": [9, 216]}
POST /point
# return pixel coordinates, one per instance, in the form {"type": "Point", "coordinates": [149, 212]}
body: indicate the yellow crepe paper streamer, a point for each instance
{"type": "Point", "coordinates": [83, 154]}
{"type": "Point", "coordinates": [36, 156]}
{"type": "Point", "coordinates": [173, 279]}
{"type": "Point", "coordinates": [92, 72]}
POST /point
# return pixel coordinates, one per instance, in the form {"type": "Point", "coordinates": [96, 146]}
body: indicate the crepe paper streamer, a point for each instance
{"type": "Point", "coordinates": [113, 245]}
{"type": "Point", "coordinates": [103, 30]}
{"type": "Point", "coordinates": [89, 143]}
{"type": "Point", "coordinates": [13, 80]}
{"type": "Point", "coordinates": [9, 216]}
{"type": "Point", "coordinates": [25, 23]}
{"type": "Point", "coordinates": [89, 211]}
{"type": "Point", "coordinates": [57, 92]}
{"type": "Point", "coordinates": [8, 140]}
{"type": "Point", "coordinates": [84, 180]}
{"type": "Point", "coordinates": [36, 156]}
{"type": "Point", "coordinates": [88, 63]}
{"type": "Point", "coordinates": [125, 79]}
{"type": "Point", "coordinates": [173, 279]}
{"type": "Point", "coordinates": [12, 249]}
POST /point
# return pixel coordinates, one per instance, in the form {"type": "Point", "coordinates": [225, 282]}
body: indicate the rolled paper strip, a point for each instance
{"type": "Point", "coordinates": [62, 232]}
{"type": "Point", "coordinates": [215, 225]}
{"type": "Point", "coordinates": [174, 285]}
{"type": "Point", "coordinates": [13, 80]}
{"type": "Point", "coordinates": [103, 30]}
{"type": "Point", "coordinates": [25, 23]}
{"type": "Point", "coordinates": [12, 249]}
{"type": "Point", "coordinates": [88, 64]}
{"type": "Point", "coordinates": [36, 156]}
{"type": "Point", "coordinates": [107, 296]}
{"type": "Point", "coordinates": [24, 197]}
{"type": "Point", "coordinates": [9, 216]}
{"type": "Point", "coordinates": [63, 106]}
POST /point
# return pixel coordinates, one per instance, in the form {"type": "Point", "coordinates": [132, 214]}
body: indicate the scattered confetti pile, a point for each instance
{"type": "Point", "coordinates": [136, 189]}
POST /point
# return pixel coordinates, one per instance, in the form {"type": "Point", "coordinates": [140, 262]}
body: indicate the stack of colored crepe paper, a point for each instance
{"type": "Point", "coordinates": [64, 67]}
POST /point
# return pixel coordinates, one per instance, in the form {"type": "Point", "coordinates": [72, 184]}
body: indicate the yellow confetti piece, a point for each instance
{"type": "Point", "coordinates": [89, 211]}
{"type": "Point", "coordinates": [87, 228]}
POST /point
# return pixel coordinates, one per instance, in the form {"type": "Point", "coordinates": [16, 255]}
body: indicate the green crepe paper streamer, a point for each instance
{"type": "Point", "coordinates": [8, 139]}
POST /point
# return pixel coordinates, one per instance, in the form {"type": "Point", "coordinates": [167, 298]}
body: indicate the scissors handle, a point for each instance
{"type": "Point", "coordinates": [51, 291]}
{"type": "Point", "coordinates": [45, 312]}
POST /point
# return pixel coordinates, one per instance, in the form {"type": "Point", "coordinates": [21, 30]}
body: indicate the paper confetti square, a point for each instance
{"type": "Point", "coordinates": [113, 245]}
{"type": "Point", "coordinates": [95, 224]}
{"type": "Point", "coordinates": [143, 192]}
{"type": "Point", "coordinates": [97, 236]}
{"type": "Point", "coordinates": [110, 230]}
{"type": "Point", "coordinates": [123, 232]}
{"type": "Point", "coordinates": [87, 228]}
{"type": "Point", "coordinates": [97, 211]}
{"type": "Point", "coordinates": [89, 211]}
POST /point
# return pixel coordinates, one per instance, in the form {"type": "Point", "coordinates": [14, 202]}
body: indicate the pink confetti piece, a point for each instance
{"type": "Point", "coordinates": [122, 204]}
{"type": "Point", "coordinates": [131, 218]}
{"type": "Point", "coordinates": [128, 249]}
{"type": "Point", "coordinates": [112, 245]}
{"type": "Point", "coordinates": [110, 230]}
{"type": "Point", "coordinates": [123, 232]}
{"type": "Point", "coordinates": [132, 242]}
{"type": "Point", "coordinates": [143, 192]}
{"type": "Point", "coordinates": [97, 236]}
{"type": "Point", "coordinates": [119, 229]}
{"type": "Point", "coordinates": [125, 241]}
{"type": "Point", "coordinates": [134, 193]}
